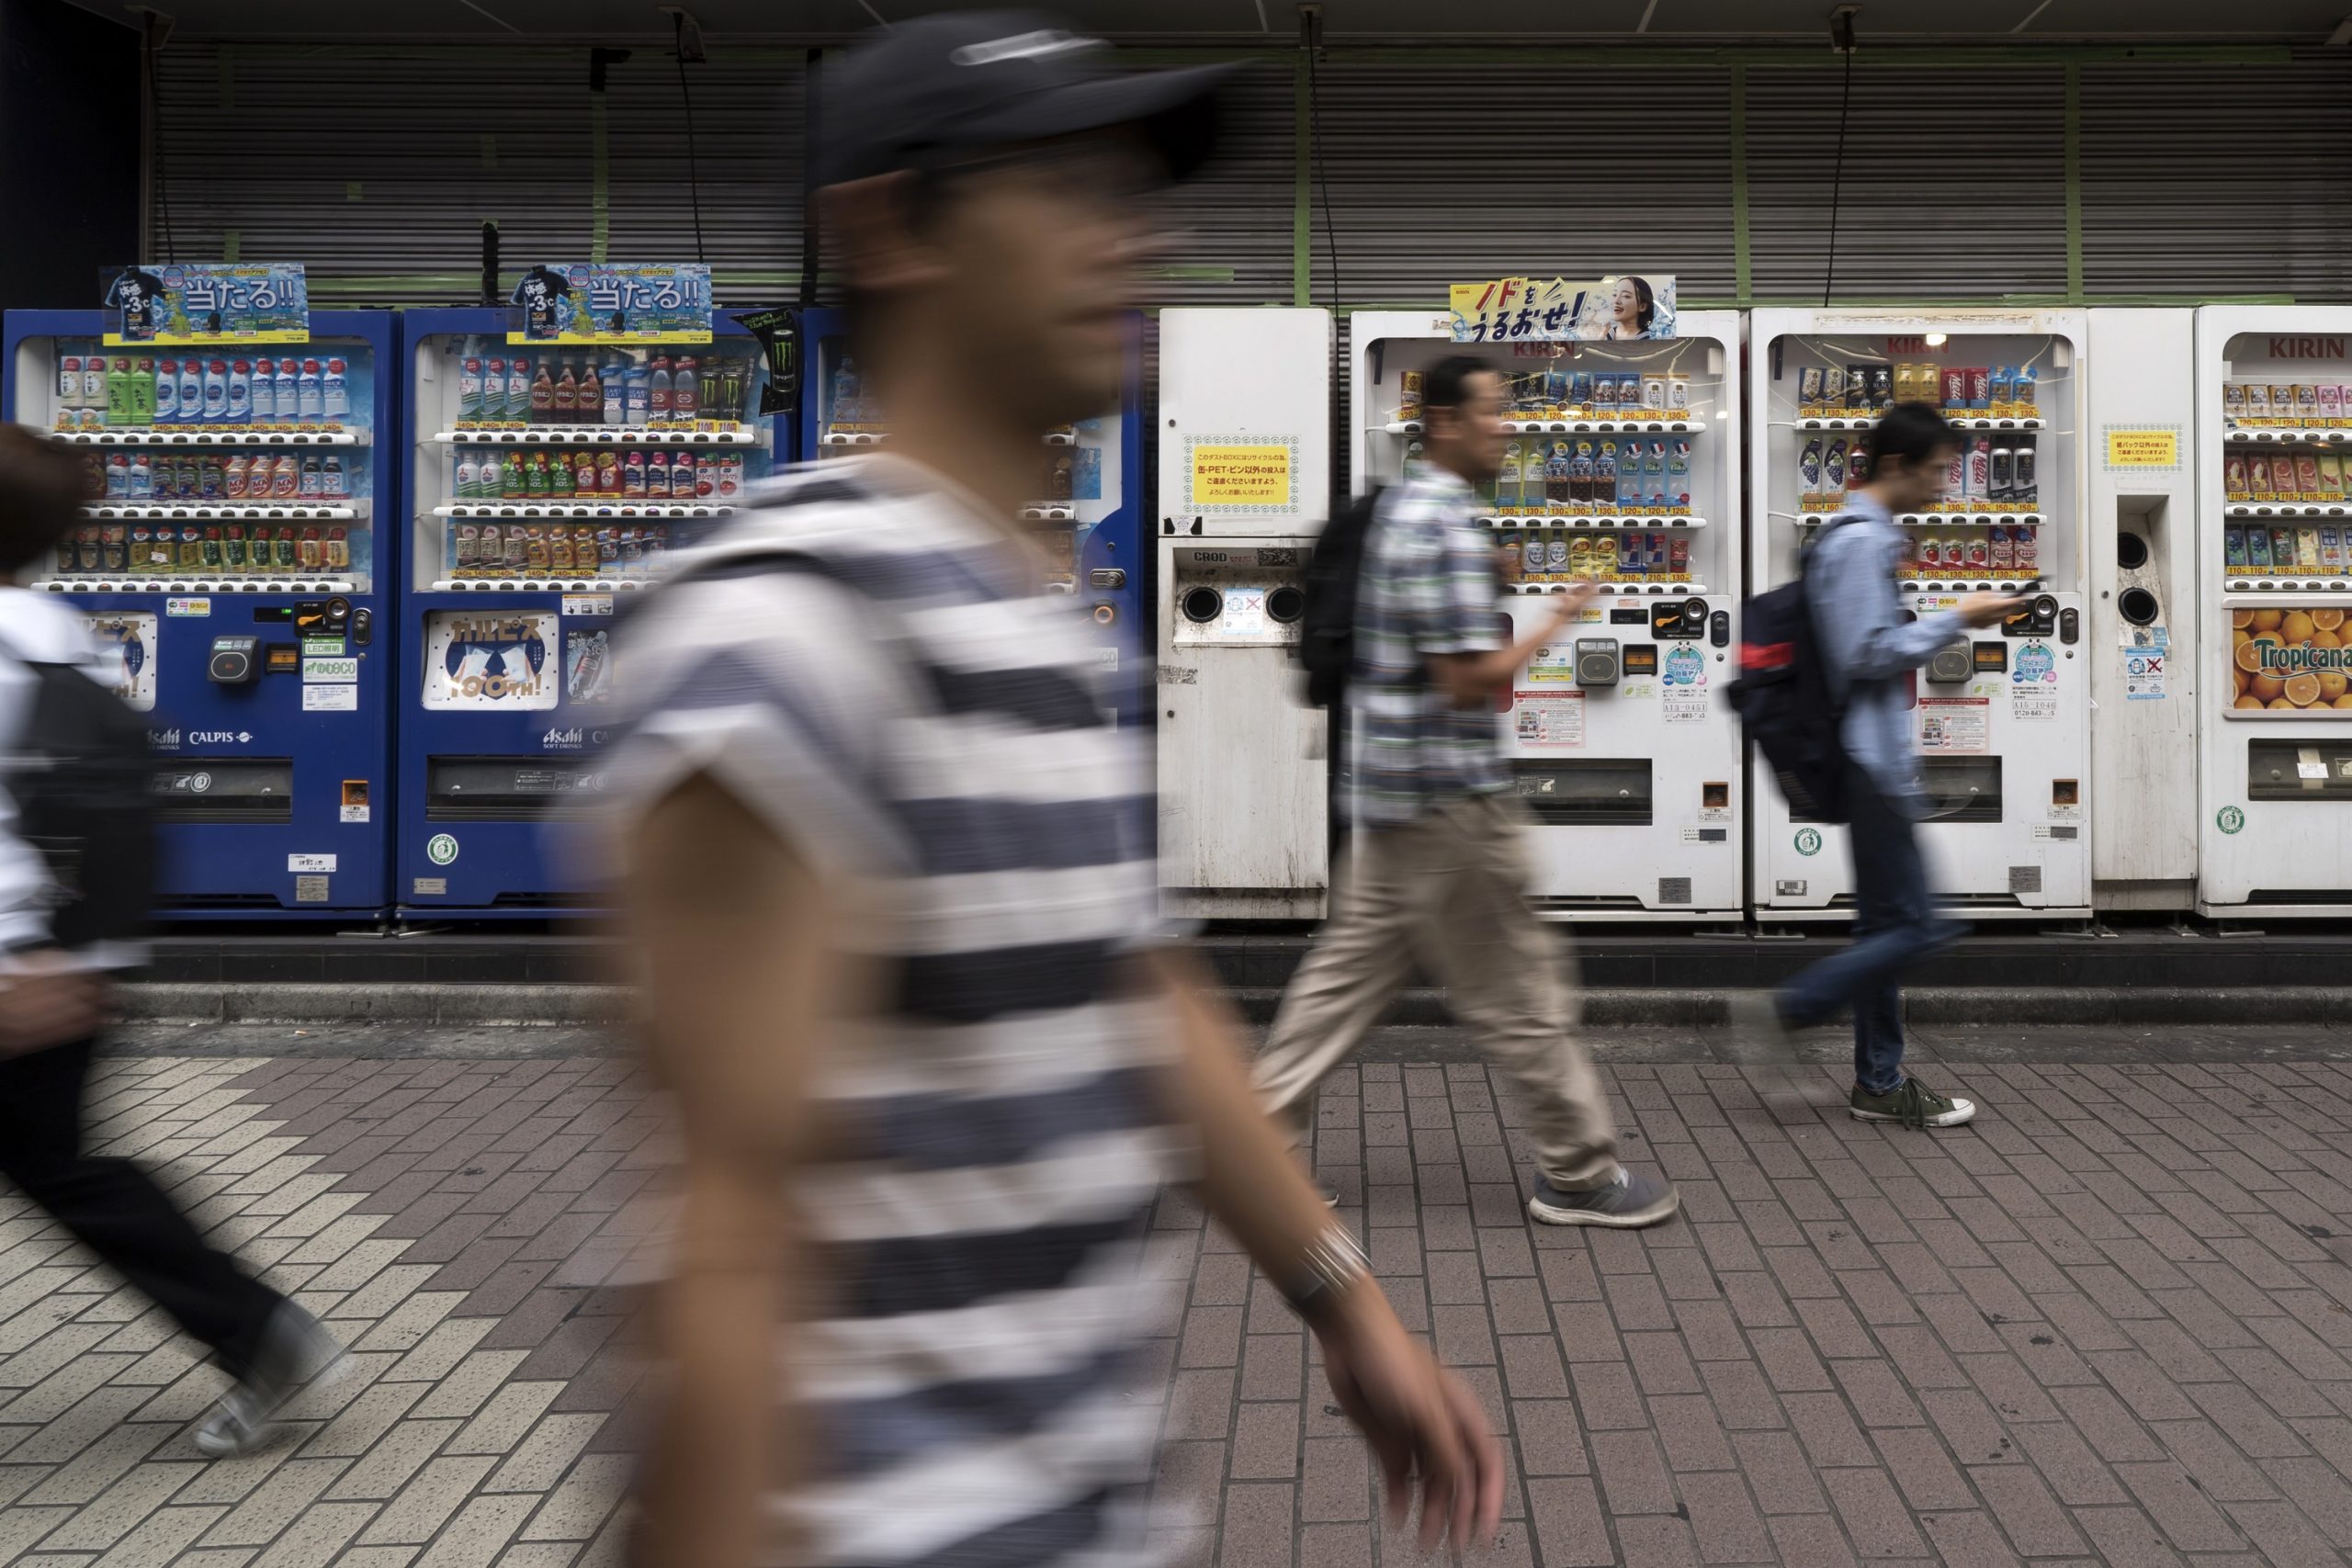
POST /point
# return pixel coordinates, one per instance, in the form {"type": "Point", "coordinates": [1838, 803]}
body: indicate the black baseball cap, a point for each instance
{"type": "Point", "coordinates": [938, 90]}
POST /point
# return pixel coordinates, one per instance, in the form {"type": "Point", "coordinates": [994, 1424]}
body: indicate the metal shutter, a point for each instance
{"type": "Point", "coordinates": [1233, 220]}
{"type": "Point", "coordinates": [1443, 172]}
{"type": "Point", "coordinates": [377, 166]}
{"type": "Point", "coordinates": [1955, 182]}
{"type": "Point", "coordinates": [2218, 179]}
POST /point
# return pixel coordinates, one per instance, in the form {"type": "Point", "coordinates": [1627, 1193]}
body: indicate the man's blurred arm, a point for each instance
{"type": "Point", "coordinates": [1417, 1417]}
{"type": "Point", "coordinates": [734, 929]}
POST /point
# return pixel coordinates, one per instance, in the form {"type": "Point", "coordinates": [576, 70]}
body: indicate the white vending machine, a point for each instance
{"type": "Point", "coordinates": [2274, 426]}
{"type": "Point", "coordinates": [1245, 466]}
{"type": "Point", "coordinates": [2003, 714]}
{"type": "Point", "coordinates": [1623, 471]}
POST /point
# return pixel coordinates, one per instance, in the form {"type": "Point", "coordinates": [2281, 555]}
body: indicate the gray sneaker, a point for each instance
{"type": "Point", "coordinates": [294, 1349]}
{"type": "Point", "coordinates": [1913, 1104]}
{"type": "Point", "coordinates": [1625, 1202]}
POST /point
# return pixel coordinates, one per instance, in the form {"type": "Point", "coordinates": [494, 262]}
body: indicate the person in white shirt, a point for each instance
{"type": "Point", "coordinates": [52, 1005]}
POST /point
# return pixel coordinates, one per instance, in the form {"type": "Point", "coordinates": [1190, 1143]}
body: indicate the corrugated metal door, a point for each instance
{"type": "Point", "coordinates": [1954, 186]}
{"type": "Point", "coordinates": [2218, 179]}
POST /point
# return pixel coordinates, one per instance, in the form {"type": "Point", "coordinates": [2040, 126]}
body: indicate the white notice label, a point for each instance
{"type": "Point", "coordinates": [309, 866]}
{"type": "Point", "coordinates": [330, 699]}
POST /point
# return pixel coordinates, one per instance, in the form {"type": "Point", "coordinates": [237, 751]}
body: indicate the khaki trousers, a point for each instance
{"type": "Point", "coordinates": [1451, 891]}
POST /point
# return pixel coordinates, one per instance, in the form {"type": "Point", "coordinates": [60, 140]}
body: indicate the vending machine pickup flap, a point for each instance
{"type": "Point", "coordinates": [225, 789]}
{"type": "Point", "coordinates": [1585, 791]}
{"type": "Point", "coordinates": [479, 789]}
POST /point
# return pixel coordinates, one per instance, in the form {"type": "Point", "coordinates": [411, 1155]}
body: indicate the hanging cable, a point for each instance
{"type": "Point", "coordinates": [687, 42]}
{"type": "Point", "coordinates": [1314, 26]}
{"type": "Point", "coordinates": [1841, 36]}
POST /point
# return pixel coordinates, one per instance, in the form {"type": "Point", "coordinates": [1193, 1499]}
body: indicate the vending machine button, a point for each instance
{"type": "Point", "coordinates": [232, 663]}
{"type": "Point", "coordinates": [2070, 626]}
{"type": "Point", "coordinates": [1719, 628]}
{"type": "Point", "coordinates": [363, 627]}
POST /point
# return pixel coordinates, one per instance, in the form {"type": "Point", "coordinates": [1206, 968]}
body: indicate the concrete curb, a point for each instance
{"type": "Point", "coordinates": [461, 1004]}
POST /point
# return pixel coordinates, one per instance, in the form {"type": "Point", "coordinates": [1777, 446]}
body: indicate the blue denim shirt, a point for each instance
{"type": "Point", "coordinates": [1868, 648]}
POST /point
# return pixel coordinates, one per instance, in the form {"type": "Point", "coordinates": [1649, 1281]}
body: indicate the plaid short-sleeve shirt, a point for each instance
{"type": "Point", "coordinates": [1429, 587]}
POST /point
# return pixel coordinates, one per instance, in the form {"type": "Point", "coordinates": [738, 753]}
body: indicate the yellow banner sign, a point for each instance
{"type": "Point", "coordinates": [2143, 448]}
{"type": "Point", "coordinates": [1241, 476]}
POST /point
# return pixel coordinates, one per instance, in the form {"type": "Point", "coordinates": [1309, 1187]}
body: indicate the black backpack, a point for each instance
{"type": "Point", "coordinates": [1783, 696]}
{"type": "Point", "coordinates": [80, 779]}
{"type": "Point", "coordinates": [1326, 628]}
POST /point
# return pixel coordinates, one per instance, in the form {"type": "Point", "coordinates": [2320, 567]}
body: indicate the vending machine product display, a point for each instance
{"type": "Point", "coordinates": [2003, 714]}
{"type": "Point", "coordinates": [2274, 433]}
{"type": "Point", "coordinates": [229, 549]}
{"type": "Point", "coordinates": [547, 485]}
{"type": "Point", "coordinates": [1087, 510]}
{"type": "Point", "coordinates": [1622, 469]}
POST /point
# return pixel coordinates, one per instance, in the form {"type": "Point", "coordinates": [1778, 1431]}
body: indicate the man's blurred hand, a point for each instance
{"type": "Point", "coordinates": [45, 1001]}
{"type": "Point", "coordinates": [1419, 1419]}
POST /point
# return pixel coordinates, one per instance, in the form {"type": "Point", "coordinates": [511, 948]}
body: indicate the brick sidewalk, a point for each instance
{"type": "Point", "coordinates": [2104, 1324]}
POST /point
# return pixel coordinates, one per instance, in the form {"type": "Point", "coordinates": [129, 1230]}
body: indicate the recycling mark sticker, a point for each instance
{"type": "Point", "coordinates": [1808, 841]}
{"type": "Point", "coordinates": [2229, 820]}
{"type": "Point", "coordinates": [441, 848]}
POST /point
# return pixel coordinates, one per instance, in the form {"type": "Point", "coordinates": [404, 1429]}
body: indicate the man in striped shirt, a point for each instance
{"type": "Point", "coordinates": [1437, 871]}
{"type": "Point", "coordinates": [891, 874]}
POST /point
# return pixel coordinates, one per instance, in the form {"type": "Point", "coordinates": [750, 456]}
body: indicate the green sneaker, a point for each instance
{"type": "Point", "coordinates": [1913, 1104]}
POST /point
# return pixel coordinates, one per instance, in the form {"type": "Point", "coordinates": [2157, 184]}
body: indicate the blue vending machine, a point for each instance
{"type": "Point", "coordinates": [1088, 511]}
{"type": "Point", "coordinates": [547, 485]}
{"type": "Point", "coordinates": [230, 550]}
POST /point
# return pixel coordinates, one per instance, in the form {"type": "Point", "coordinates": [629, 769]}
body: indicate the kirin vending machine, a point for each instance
{"type": "Point", "coordinates": [547, 485]}
{"type": "Point", "coordinates": [2274, 429]}
{"type": "Point", "coordinates": [2003, 714]}
{"type": "Point", "coordinates": [230, 551]}
{"type": "Point", "coordinates": [1622, 469]}
{"type": "Point", "coordinates": [1087, 510]}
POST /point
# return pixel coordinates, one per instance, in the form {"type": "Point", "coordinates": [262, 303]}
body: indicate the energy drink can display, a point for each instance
{"type": "Point", "coordinates": [2234, 548]}
{"type": "Point", "coordinates": [1408, 404]}
{"type": "Point", "coordinates": [1654, 554]}
{"type": "Point", "coordinates": [1629, 555]}
{"type": "Point", "coordinates": [1809, 391]}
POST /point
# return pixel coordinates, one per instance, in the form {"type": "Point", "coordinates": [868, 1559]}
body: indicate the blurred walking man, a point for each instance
{"type": "Point", "coordinates": [52, 999]}
{"type": "Point", "coordinates": [1437, 867]}
{"type": "Point", "coordinates": [890, 873]}
{"type": "Point", "coordinates": [1870, 652]}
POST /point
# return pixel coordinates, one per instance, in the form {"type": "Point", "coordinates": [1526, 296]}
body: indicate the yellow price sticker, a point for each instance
{"type": "Point", "coordinates": [2143, 448]}
{"type": "Point", "coordinates": [1241, 476]}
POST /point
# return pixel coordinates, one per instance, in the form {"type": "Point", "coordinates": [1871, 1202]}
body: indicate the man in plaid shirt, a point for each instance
{"type": "Point", "coordinates": [1436, 871]}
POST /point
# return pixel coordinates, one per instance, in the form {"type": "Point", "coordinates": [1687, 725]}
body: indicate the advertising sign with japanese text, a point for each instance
{"type": "Point", "coordinates": [1528, 310]}
{"type": "Point", "coordinates": [206, 302]}
{"type": "Point", "coordinates": [588, 302]}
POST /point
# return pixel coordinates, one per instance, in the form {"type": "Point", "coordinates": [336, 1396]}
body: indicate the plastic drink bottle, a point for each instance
{"type": "Point", "coordinates": [285, 390]}
{"type": "Point", "coordinates": [686, 391]}
{"type": "Point", "coordinates": [616, 395]}
{"type": "Point", "coordinates": [589, 406]}
{"type": "Point", "coordinates": [333, 490]}
{"type": "Point", "coordinates": [308, 393]}
{"type": "Point", "coordinates": [167, 390]}
{"type": "Point", "coordinates": [263, 390]}
{"type": "Point", "coordinates": [542, 403]}
{"type": "Point", "coordinates": [94, 382]}
{"type": "Point", "coordinates": [69, 381]}
{"type": "Point", "coordinates": [334, 390]}
{"type": "Point", "coordinates": [468, 475]}
{"type": "Point", "coordinates": [565, 399]}
{"type": "Point", "coordinates": [142, 393]}
{"type": "Point", "coordinates": [470, 387]}
{"type": "Point", "coordinates": [241, 391]}
{"type": "Point", "coordinates": [518, 388]}
{"type": "Point", "coordinates": [638, 396]}
{"type": "Point", "coordinates": [493, 390]}
{"type": "Point", "coordinates": [216, 390]}
{"type": "Point", "coordinates": [139, 478]}
{"type": "Point", "coordinates": [658, 402]}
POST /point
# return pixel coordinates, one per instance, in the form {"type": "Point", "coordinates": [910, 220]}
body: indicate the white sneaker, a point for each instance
{"type": "Point", "coordinates": [294, 1348]}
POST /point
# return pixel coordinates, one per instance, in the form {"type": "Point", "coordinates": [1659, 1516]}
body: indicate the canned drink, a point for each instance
{"type": "Point", "coordinates": [2331, 477]}
{"type": "Point", "coordinates": [89, 548]}
{"type": "Point", "coordinates": [535, 550]}
{"type": "Point", "coordinates": [633, 474]}
{"type": "Point", "coordinates": [2257, 402]}
{"type": "Point", "coordinates": [234, 476]}
{"type": "Point", "coordinates": [2331, 550]}
{"type": "Point", "coordinates": [686, 477]}
{"type": "Point", "coordinates": [1507, 559]}
{"type": "Point", "coordinates": [1654, 553]}
{"type": "Point", "coordinates": [1997, 390]}
{"type": "Point", "coordinates": [609, 473]}
{"type": "Point", "coordinates": [1955, 387]}
{"type": "Point", "coordinates": [1652, 396]}
{"type": "Point", "coordinates": [1408, 395]}
{"type": "Point", "coordinates": [1809, 391]}
{"type": "Point", "coordinates": [2258, 478]}
{"type": "Point", "coordinates": [656, 474]}
{"type": "Point", "coordinates": [1832, 468]}
{"type": "Point", "coordinates": [2331, 403]}
{"type": "Point", "coordinates": [2307, 477]}
{"type": "Point", "coordinates": [1809, 470]}
{"type": "Point", "coordinates": [1881, 396]}
{"type": "Point", "coordinates": [2234, 551]}
{"type": "Point", "coordinates": [2307, 549]}
{"type": "Point", "coordinates": [584, 471]}
{"type": "Point", "coordinates": [2233, 401]}
{"type": "Point", "coordinates": [1678, 397]}
{"type": "Point", "coordinates": [1997, 488]}
{"type": "Point", "coordinates": [1580, 395]}
{"type": "Point", "coordinates": [2004, 550]}
{"type": "Point", "coordinates": [2283, 548]}
{"type": "Point", "coordinates": [2233, 477]}
{"type": "Point", "coordinates": [584, 547]}
{"type": "Point", "coordinates": [1980, 470]}
{"type": "Point", "coordinates": [113, 549]}
{"type": "Point", "coordinates": [1857, 388]}
{"type": "Point", "coordinates": [1931, 550]}
{"type": "Point", "coordinates": [2306, 404]}
{"type": "Point", "coordinates": [515, 551]}
{"type": "Point", "coordinates": [1604, 397]}
{"type": "Point", "coordinates": [1980, 389]}
{"type": "Point", "coordinates": [1833, 389]}
{"type": "Point", "coordinates": [1555, 556]}
{"type": "Point", "coordinates": [2024, 488]}
{"type": "Point", "coordinates": [2258, 549]}
{"type": "Point", "coordinates": [1980, 552]}
{"type": "Point", "coordinates": [467, 548]}
{"type": "Point", "coordinates": [212, 479]}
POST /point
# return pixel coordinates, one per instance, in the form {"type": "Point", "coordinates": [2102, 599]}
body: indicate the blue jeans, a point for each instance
{"type": "Point", "coordinates": [1895, 925]}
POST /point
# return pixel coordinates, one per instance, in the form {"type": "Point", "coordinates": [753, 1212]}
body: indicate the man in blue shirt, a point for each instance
{"type": "Point", "coordinates": [1871, 652]}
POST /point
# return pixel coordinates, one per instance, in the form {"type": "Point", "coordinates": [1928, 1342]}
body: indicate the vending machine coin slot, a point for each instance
{"type": "Point", "coordinates": [1991, 658]}
{"type": "Point", "coordinates": [1949, 666]}
{"type": "Point", "coordinates": [1679, 620]}
{"type": "Point", "coordinates": [283, 659]}
{"type": "Point", "coordinates": [2037, 619]}
{"type": "Point", "coordinates": [1597, 660]}
{"type": "Point", "coordinates": [1641, 658]}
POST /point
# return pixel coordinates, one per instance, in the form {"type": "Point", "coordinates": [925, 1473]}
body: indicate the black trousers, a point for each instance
{"type": "Point", "coordinates": [116, 1210]}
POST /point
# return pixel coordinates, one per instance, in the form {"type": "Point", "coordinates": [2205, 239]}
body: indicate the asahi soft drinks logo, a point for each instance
{"type": "Point", "coordinates": [162, 741]}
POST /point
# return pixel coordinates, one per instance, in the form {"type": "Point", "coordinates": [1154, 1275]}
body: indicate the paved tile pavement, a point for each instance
{"type": "Point", "coordinates": [2108, 1324]}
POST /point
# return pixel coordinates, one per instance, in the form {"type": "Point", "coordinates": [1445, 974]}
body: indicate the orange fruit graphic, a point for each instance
{"type": "Point", "coordinates": [2247, 703]}
{"type": "Point", "coordinates": [2283, 702]}
{"type": "Point", "coordinates": [2327, 620]}
{"type": "Point", "coordinates": [2267, 620]}
{"type": "Point", "coordinates": [2241, 619]}
{"type": "Point", "coordinates": [2302, 690]}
